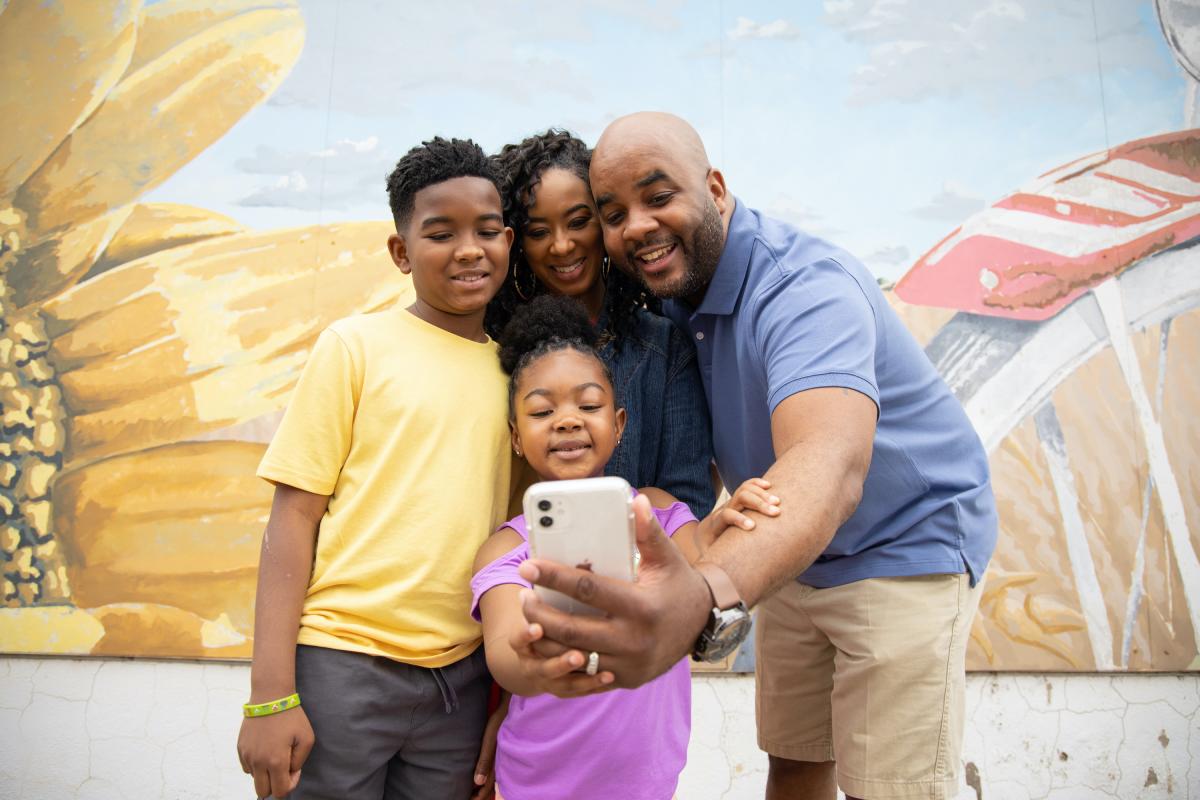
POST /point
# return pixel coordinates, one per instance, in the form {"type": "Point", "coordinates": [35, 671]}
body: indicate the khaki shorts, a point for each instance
{"type": "Point", "coordinates": [870, 675]}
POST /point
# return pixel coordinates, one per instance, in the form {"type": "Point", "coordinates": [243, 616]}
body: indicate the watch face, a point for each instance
{"type": "Point", "coordinates": [726, 630]}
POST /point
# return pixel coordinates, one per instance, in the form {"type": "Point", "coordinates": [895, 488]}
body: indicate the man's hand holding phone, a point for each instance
{"type": "Point", "coordinates": [559, 671]}
{"type": "Point", "coordinates": [646, 627]}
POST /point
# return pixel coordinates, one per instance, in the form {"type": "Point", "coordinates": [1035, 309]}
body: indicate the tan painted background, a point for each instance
{"type": "Point", "coordinates": [147, 349]}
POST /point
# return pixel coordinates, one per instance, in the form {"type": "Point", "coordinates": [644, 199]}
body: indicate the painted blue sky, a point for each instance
{"type": "Point", "coordinates": [880, 124]}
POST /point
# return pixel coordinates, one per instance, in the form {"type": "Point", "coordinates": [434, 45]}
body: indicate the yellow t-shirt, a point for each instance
{"type": "Point", "coordinates": [405, 426]}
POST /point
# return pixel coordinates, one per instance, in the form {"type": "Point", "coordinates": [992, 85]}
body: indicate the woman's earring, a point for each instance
{"type": "Point", "coordinates": [517, 282]}
{"type": "Point", "coordinates": [517, 450]}
{"type": "Point", "coordinates": [605, 266]}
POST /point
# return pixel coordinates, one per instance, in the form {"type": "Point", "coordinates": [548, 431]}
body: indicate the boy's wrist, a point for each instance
{"type": "Point", "coordinates": [266, 692]}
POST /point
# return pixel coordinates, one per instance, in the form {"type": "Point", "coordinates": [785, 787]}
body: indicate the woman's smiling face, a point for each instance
{"type": "Point", "coordinates": [562, 240]}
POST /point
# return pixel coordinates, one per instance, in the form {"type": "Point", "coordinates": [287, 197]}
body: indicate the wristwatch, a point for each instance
{"type": "Point", "coordinates": [728, 622]}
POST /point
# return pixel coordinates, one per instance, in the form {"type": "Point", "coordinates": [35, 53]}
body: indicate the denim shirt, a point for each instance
{"type": "Point", "coordinates": [667, 442]}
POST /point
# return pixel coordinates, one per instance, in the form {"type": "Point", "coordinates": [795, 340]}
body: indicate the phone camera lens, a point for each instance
{"type": "Point", "coordinates": [544, 505]}
{"type": "Point", "coordinates": [546, 521]}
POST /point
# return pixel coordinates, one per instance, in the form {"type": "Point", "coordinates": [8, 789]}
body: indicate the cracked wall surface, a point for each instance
{"type": "Point", "coordinates": [132, 730]}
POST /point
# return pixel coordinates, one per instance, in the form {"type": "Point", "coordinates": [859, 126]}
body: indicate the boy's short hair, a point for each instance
{"type": "Point", "coordinates": [432, 162]}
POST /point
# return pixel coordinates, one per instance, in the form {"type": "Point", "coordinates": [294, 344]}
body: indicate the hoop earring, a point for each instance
{"type": "Point", "coordinates": [605, 268]}
{"type": "Point", "coordinates": [517, 283]}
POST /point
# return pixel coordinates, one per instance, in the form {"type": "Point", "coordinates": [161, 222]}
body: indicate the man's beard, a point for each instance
{"type": "Point", "coordinates": [701, 256]}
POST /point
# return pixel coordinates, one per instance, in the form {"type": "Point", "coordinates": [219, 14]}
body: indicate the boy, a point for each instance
{"type": "Point", "coordinates": [391, 467]}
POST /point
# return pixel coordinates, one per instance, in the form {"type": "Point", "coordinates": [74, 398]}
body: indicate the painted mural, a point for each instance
{"type": "Point", "coordinates": [190, 192]}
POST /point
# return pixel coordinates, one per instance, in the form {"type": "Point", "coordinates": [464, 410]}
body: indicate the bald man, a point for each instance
{"type": "Point", "coordinates": [867, 583]}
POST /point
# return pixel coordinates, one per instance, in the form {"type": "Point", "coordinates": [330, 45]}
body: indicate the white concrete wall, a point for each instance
{"type": "Point", "coordinates": [101, 729]}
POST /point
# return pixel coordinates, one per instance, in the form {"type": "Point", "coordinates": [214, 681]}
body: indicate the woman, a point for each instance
{"type": "Point", "coordinates": [559, 249]}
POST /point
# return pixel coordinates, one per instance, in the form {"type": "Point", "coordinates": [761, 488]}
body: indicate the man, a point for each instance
{"type": "Point", "coordinates": [868, 581]}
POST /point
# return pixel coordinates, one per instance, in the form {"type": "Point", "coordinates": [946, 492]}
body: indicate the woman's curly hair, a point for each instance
{"type": "Point", "coordinates": [521, 167]}
{"type": "Point", "coordinates": [546, 324]}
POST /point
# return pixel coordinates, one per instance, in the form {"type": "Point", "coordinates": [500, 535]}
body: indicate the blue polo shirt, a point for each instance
{"type": "Point", "coordinates": [786, 312]}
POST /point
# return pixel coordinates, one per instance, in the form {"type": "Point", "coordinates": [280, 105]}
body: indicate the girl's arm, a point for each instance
{"type": "Point", "coordinates": [273, 748]}
{"type": "Point", "coordinates": [685, 536]}
{"type": "Point", "coordinates": [505, 631]}
{"type": "Point", "coordinates": [485, 765]}
{"type": "Point", "coordinates": [693, 538]}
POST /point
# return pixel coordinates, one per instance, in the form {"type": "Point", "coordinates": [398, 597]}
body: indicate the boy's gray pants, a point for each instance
{"type": "Point", "coordinates": [387, 730]}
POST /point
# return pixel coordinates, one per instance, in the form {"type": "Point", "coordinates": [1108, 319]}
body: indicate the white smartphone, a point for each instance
{"type": "Point", "coordinates": [585, 523]}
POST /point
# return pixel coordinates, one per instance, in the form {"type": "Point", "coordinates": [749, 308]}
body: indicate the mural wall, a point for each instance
{"type": "Point", "coordinates": [190, 192]}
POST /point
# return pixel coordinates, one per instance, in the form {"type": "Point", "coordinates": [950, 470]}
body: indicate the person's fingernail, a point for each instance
{"type": "Point", "coordinates": [528, 571]}
{"type": "Point", "coordinates": [575, 659]}
{"type": "Point", "coordinates": [773, 509]}
{"type": "Point", "coordinates": [479, 779]}
{"type": "Point", "coordinates": [774, 500]}
{"type": "Point", "coordinates": [606, 677]}
{"type": "Point", "coordinates": [747, 524]}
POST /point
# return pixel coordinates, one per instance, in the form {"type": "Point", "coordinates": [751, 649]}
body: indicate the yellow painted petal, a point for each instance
{"type": "Point", "coordinates": [1000, 581]}
{"type": "Point", "coordinates": [50, 629]}
{"type": "Point", "coordinates": [153, 227]}
{"type": "Point", "coordinates": [162, 116]}
{"type": "Point", "coordinates": [163, 25]}
{"type": "Point", "coordinates": [59, 60]}
{"type": "Point", "coordinates": [1052, 616]}
{"type": "Point", "coordinates": [207, 335]}
{"type": "Point", "coordinates": [181, 510]}
{"type": "Point", "coordinates": [1011, 618]}
{"type": "Point", "coordinates": [162, 630]}
{"type": "Point", "coordinates": [220, 633]}
{"type": "Point", "coordinates": [53, 264]}
{"type": "Point", "coordinates": [179, 525]}
{"type": "Point", "coordinates": [209, 402]}
{"type": "Point", "coordinates": [130, 232]}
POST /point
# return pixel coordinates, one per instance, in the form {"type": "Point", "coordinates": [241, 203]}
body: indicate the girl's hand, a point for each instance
{"type": "Point", "coordinates": [752, 495]}
{"type": "Point", "coordinates": [485, 765]}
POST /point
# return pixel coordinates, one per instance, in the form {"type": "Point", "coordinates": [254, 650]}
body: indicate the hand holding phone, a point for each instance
{"type": "Point", "coordinates": [587, 524]}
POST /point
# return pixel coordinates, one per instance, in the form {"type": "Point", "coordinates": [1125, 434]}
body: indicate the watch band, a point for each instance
{"type": "Point", "coordinates": [725, 594]}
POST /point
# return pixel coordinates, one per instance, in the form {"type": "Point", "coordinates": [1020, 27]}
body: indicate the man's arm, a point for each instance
{"type": "Point", "coordinates": [822, 439]}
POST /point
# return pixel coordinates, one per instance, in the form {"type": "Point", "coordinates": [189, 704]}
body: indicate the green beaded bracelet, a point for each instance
{"type": "Point", "coordinates": [273, 707]}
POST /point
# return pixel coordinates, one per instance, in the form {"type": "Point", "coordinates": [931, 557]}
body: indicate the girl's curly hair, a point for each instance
{"type": "Point", "coordinates": [544, 325]}
{"type": "Point", "coordinates": [521, 167]}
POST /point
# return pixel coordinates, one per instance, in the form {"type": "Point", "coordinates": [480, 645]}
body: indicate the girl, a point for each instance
{"type": "Point", "coordinates": [566, 424]}
{"type": "Point", "coordinates": [559, 250]}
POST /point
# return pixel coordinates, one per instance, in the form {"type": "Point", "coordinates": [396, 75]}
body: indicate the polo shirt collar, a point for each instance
{"type": "Point", "coordinates": [726, 285]}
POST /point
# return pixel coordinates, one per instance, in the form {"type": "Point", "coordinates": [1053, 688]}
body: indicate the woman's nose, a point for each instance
{"type": "Point", "coordinates": [561, 245]}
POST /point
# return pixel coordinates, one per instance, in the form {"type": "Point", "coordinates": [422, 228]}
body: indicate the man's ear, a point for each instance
{"type": "Point", "coordinates": [398, 250]}
{"type": "Point", "coordinates": [715, 183]}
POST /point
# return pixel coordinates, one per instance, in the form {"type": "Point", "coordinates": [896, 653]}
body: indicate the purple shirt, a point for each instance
{"type": "Point", "coordinates": [627, 743]}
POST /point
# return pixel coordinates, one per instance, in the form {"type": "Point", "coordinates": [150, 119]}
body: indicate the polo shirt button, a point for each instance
{"type": "Point", "coordinates": [699, 335]}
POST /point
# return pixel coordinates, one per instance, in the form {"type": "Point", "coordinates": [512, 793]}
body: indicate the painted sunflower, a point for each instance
{"type": "Point", "coordinates": [145, 349]}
